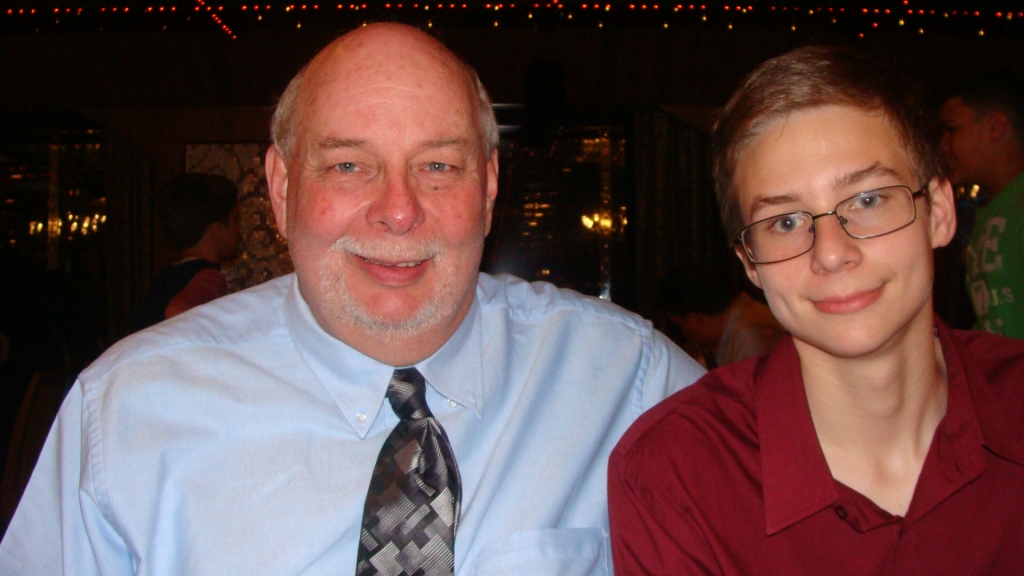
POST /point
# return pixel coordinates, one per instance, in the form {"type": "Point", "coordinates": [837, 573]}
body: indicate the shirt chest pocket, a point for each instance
{"type": "Point", "coordinates": [548, 552]}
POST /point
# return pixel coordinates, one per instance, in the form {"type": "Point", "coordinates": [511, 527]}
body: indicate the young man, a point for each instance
{"type": "Point", "coordinates": [874, 440]}
{"type": "Point", "coordinates": [201, 218]}
{"type": "Point", "coordinates": [983, 143]}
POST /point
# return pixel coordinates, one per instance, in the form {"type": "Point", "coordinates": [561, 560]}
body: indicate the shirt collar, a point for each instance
{"type": "Point", "coordinates": [795, 476]}
{"type": "Point", "coordinates": [982, 411]}
{"type": "Point", "coordinates": [358, 383]}
{"type": "Point", "coordinates": [456, 370]}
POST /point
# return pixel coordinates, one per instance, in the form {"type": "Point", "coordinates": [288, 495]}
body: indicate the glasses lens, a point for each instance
{"type": "Point", "coordinates": [877, 212]}
{"type": "Point", "coordinates": [779, 237]}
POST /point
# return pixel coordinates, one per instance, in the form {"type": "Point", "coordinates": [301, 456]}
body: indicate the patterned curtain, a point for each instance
{"type": "Point", "coordinates": [676, 212]}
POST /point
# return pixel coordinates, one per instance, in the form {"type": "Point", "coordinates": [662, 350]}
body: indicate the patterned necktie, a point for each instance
{"type": "Point", "coordinates": [412, 508]}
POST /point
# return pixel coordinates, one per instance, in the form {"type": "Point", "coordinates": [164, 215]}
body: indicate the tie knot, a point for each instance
{"type": "Point", "coordinates": [407, 393]}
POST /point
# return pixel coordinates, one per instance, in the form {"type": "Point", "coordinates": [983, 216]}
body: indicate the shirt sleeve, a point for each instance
{"type": "Point", "coordinates": [58, 527]}
{"type": "Point", "coordinates": [652, 535]}
{"type": "Point", "coordinates": [669, 371]}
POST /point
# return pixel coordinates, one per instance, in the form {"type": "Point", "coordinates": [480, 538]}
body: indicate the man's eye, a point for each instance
{"type": "Point", "coordinates": [438, 167]}
{"type": "Point", "coordinates": [346, 167]}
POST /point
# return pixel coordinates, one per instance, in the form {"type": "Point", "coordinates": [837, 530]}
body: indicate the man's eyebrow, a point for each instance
{"type": "Point", "coordinates": [851, 178]}
{"type": "Point", "coordinates": [761, 202]}
{"type": "Point", "coordinates": [446, 143]}
{"type": "Point", "coordinates": [330, 143]}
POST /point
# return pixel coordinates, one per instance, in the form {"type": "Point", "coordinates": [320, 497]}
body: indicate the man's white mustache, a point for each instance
{"type": "Point", "coordinates": [389, 252]}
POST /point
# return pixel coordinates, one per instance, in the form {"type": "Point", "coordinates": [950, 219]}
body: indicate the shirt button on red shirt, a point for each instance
{"type": "Point", "coordinates": [841, 512]}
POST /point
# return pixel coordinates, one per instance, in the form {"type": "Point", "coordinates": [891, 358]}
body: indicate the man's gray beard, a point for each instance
{"type": "Point", "coordinates": [339, 302]}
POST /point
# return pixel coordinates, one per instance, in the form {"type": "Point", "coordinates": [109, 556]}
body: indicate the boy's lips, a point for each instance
{"type": "Point", "coordinates": [848, 303]}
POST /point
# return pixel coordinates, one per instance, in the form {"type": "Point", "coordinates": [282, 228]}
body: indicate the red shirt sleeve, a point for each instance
{"type": "Point", "coordinates": [651, 533]}
{"type": "Point", "coordinates": [206, 285]}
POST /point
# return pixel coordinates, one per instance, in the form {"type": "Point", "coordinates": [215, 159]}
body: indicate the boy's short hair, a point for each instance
{"type": "Point", "coordinates": [811, 77]}
{"type": "Point", "coordinates": [192, 202]}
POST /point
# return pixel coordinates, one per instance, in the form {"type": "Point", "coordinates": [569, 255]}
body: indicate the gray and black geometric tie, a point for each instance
{"type": "Point", "coordinates": [412, 507]}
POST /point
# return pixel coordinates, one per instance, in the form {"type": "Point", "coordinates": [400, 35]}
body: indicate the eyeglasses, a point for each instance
{"type": "Point", "coordinates": [867, 215]}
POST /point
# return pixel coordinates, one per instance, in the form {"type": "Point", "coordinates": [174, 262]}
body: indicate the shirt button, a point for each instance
{"type": "Point", "coordinates": [360, 417]}
{"type": "Point", "coordinates": [472, 399]}
{"type": "Point", "coordinates": [841, 512]}
{"type": "Point", "coordinates": [452, 404]}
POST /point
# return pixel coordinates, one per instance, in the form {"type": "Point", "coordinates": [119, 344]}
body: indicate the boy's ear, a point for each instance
{"type": "Point", "coordinates": [748, 267]}
{"type": "Point", "coordinates": [942, 212]}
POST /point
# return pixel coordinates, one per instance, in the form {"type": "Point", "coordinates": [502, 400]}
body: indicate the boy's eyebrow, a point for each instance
{"type": "Point", "coordinates": [851, 178]}
{"type": "Point", "coordinates": [761, 202]}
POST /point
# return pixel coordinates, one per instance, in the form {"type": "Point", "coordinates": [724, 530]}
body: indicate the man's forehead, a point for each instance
{"type": "Point", "coordinates": [347, 105]}
{"type": "Point", "coordinates": [405, 90]}
{"type": "Point", "coordinates": [387, 80]}
{"type": "Point", "coordinates": [955, 109]}
{"type": "Point", "coordinates": [406, 79]}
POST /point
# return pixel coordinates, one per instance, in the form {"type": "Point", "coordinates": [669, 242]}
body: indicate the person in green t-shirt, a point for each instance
{"type": "Point", "coordinates": [983, 144]}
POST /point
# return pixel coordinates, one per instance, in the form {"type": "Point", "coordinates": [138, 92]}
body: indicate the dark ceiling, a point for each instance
{"type": "Point", "coordinates": [126, 53]}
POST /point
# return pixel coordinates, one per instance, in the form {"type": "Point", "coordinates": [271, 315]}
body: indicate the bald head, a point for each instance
{"type": "Point", "coordinates": [383, 180]}
{"type": "Point", "coordinates": [371, 57]}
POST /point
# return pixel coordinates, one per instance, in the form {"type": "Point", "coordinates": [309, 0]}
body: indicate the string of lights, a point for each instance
{"type": "Point", "coordinates": [896, 17]}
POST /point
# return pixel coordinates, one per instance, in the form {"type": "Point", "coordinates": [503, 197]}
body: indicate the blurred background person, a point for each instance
{"type": "Point", "coordinates": [718, 320]}
{"type": "Point", "coordinates": [983, 144]}
{"type": "Point", "coordinates": [201, 218]}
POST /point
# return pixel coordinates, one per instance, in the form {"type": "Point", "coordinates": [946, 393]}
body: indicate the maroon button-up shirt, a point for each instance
{"type": "Point", "coordinates": [728, 477]}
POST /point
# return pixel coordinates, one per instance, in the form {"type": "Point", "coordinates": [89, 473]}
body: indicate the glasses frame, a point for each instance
{"type": "Point", "coordinates": [834, 212]}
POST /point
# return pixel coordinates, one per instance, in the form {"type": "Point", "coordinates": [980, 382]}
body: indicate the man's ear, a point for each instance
{"type": "Point", "coordinates": [277, 184]}
{"type": "Point", "coordinates": [748, 267]}
{"type": "Point", "coordinates": [491, 192]}
{"type": "Point", "coordinates": [998, 125]}
{"type": "Point", "coordinates": [942, 212]}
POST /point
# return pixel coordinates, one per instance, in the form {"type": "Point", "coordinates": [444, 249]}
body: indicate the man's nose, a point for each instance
{"type": "Point", "coordinates": [834, 249]}
{"type": "Point", "coordinates": [397, 205]}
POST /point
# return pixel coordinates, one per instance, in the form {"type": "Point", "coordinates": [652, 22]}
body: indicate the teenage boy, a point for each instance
{"type": "Point", "coordinates": [875, 439]}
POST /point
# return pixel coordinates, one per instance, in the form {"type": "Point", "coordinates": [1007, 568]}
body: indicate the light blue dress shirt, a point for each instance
{"type": "Point", "coordinates": [239, 438]}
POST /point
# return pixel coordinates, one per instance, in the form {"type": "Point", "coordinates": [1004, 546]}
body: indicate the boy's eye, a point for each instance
{"type": "Point", "coordinates": [788, 222]}
{"type": "Point", "coordinates": [869, 200]}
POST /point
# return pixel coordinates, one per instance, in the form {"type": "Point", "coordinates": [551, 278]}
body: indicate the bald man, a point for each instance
{"type": "Point", "coordinates": [387, 409]}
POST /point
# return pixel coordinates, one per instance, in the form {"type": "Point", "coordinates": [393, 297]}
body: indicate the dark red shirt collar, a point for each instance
{"type": "Point", "coordinates": [796, 478]}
